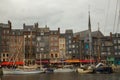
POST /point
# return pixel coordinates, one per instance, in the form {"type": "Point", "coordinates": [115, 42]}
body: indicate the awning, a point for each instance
{"type": "Point", "coordinates": [12, 63]}
{"type": "Point", "coordinates": [72, 61]}
{"type": "Point", "coordinates": [87, 61]}
{"type": "Point", "coordinates": [79, 61]}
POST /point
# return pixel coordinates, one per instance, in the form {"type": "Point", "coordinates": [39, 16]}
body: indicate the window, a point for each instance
{"type": "Point", "coordinates": [69, 46]}
{"type": "Point", "coordinates": [115, 53]}
{"type": "Point", "coordinates": [7, 55]}
{"type": "Point", "coordinates": [70, 52]}
{"type": "Point", "coordinates": [73, 46]}
{"type": "Point", "coordinates": [28, 29]}
{"type": "Point", "coordinates": [73, 51]}
{"type": "Point", "coordinates": [8, 32]}
{"type": "Point", "coordinates": [69, 41]}
{"type": "Point", "coordinates": [108, 49]}
{"type": "Point", "coordinates": [118, 41]}
{"type": "Point", "coordinates": [42, 33]}
{"type": "Point", "coordinates": [37, 49]}
{"type": "Point", "coordinates": [102, 44]}
{"type": "Point", "coordinates": [115, 41]}
{"type": "Point", "coordinates": [3, 60]}
{"type": "Point", "coordinates": [115, 47]}
{"type": "Point", "coordinates": [102, 53]}
{"type": "Point", "coordinates": [109, 53]}
{"type": "Point", "coordinates": [56, 44]}
{"type": "Point", "coordinates": [3, 55]}
{"type": "Point", "coordinates": [56, 55]}
{"type": "Point", "coordinates": [69, 37]}
{"type": "Point", "coordinates": [51, 55]}
{"type": "Point", "coordinates": [45, 56]}
{"type": "Point", "coordinates": [38, 38]}
{"type": "Point", "coordinates": [42, 49]}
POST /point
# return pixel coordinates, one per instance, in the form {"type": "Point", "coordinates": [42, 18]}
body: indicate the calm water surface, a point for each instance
{"type": "Point", "coordinates": [63, 76]}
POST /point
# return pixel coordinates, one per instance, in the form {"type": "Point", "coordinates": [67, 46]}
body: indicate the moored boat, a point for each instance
{"type": "Point", "coordinates": [66, 68]}
{"type": "Point", "coordinates": [102, 68]}
{"type": "Point", "coordinates": [21, 71]}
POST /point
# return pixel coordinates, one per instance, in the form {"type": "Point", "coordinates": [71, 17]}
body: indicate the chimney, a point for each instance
{"type": "Point", "coordinates": [24, 26]}
{"type": "Point", "coordinates": [36, 25]}
{"type": "Point", "coordinates": [10, 24]}
{"type": "Point", "coordinates": [59, 30]}
{"type": "Point", "coordinates": [111, 36]}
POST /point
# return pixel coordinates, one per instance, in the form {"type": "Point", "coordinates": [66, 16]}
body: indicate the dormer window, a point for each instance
{"type": "Point", "coordinates": [42, 33]}
{"type": "Point", "coordinates": [28, 29]}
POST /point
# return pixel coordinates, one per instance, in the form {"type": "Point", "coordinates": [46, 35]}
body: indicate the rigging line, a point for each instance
{"type": "Point", "coordinates": [115, 16]}
{"type": "Point", "coordinates": [108, 6]}
{"type": "Point", "coordinates": [118, 22]}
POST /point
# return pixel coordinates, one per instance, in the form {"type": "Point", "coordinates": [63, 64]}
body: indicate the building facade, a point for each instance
{"type": "Point", "coordinates": [116, 46]}
{"type": "Point", "coordinates": [16, 46]}
{"type": "Point", "coordinates": [54, 44]}
{"type": "Point", "coordinates": [5, 32]}
{"type": "Point", "coordinates": [29, 32]}
{"type": "Point", "coordinates": [68, 38]}
{"type": "Point", "coordinates": [62, 47]}
{"type": "Point", "coordinates": [42, 44]}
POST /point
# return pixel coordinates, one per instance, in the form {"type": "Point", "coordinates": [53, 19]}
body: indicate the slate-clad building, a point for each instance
{"type": "Point", "coordinates": [42, 44]}
{"type": "Point", "coordinates": [116, 46]}
{"type": "Point", "coordinates": [68, 38]}
{"type": "Point", "coordinates": [29, 32]}
{"type": "Point", "coordinates": [5, 32]}
{"type": "Point", "coordinates": [54, 44]}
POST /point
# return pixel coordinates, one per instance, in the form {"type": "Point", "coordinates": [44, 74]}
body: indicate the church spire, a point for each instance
{"type": "Point", "coordinates": [89, 22]}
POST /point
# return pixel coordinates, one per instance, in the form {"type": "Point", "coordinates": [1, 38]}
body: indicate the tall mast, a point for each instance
{"type": "Point", "coordinates": [30, 55]}
{"type": "Point", "coordinates": [99, 42]}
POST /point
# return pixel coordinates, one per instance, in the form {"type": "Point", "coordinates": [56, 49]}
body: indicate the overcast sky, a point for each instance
{"type": "Point", "coordinates": [66, 14]}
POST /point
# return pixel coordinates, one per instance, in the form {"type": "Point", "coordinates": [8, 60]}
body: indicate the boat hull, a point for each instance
{"type": "Point", "coordinates": [104, 70]}
{"type": "Point", "coordinates": [64, 70]}
{"type": "Point", "coordinates": [82, 71]}
{"type": "Point", "coordinates": [22, 71]}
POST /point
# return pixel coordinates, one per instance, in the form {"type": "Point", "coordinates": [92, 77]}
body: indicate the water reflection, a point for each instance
{"type": "Point", "coordinates": [62, 76]}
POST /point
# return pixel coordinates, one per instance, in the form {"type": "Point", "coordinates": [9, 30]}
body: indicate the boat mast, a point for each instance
{"type": "Point", "coordinates": [30, 51]}
{"type": "Point", "coordinates": [99, 42]}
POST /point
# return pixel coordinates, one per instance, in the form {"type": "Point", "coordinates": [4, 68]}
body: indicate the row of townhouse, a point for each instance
{"type": "Point", "coordinates": [32, 44]}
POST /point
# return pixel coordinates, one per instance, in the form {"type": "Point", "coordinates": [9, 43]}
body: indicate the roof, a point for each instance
{"type": "Point", "coordinates": [4, 25]}
{"type": "Point", "coordinates": [84, 34]}
{"type": "Point", "coordinates": [69, 31]}
{"type": "Point", "coordinates": [16, 32]}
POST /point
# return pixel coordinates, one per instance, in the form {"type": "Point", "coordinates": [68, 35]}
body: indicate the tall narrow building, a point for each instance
{"type": "Point", "coordinates": [4, 45]}
{"type": "Point", "coordinates": [54, 44]}
{"type": "Point", "coordinates": [68, 37]}
{"type": "Point", "coordinates": [16, 46]}
{"type": "Point", "coordinates": [29, 32]}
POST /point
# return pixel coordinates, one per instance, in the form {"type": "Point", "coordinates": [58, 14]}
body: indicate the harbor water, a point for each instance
{"type": "Point", "coordinates": [62, 76]}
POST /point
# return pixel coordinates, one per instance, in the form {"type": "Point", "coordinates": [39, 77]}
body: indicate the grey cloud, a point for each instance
{"type": "Point", "coordinates": [65, 14]}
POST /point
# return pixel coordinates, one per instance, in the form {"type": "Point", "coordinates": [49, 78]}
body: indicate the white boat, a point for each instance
{"type": "Point", "coordinates": [85, 70]}
{"type": "Point", "coordinates": [80, 70]}
{"type": "Point", "coordinates": [21, 71]}
{"type": "Point", "coordinates": [66, 68]}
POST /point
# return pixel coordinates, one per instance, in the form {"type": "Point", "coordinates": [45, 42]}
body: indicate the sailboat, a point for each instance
{"type": "Point", "coordinates": [22, 69]}
{"type": "Point", "coordinates": [64, 67]}
{"type": "Point", "coordinates": [88, 68]}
